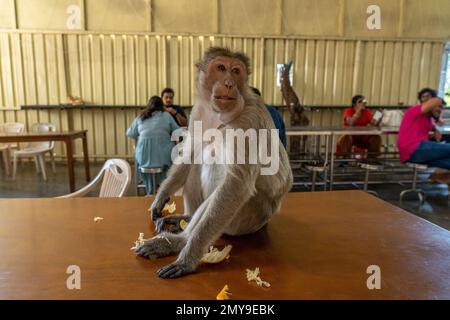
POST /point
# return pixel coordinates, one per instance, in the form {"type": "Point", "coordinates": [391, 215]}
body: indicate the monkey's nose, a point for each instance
{"type": "Point", "coordinates": [228, 83]}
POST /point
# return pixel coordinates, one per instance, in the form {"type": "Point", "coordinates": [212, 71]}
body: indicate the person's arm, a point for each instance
{"type": "Point", "coordinates": [133, 131]}
{"type": "Point", "coordinates": [373, 121]}
{"type": "Point", "coordinates": [351, 120]}
{"type": "Point", "coordinates": [283, 132]}
{"type": "Point", "coordinates": [181, 116]}
{"type": "Point", "coordinates": [429, 105]}
{"type": "Point", "coordinates": [173, 125]}
{"type": "Point", "coordinates": [437, 134]}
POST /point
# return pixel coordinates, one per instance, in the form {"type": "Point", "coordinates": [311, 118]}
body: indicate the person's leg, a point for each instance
{"type": "Point", "coordinates": [147, 178]}
{"type": "Point", "coordinates": [430, 152]}
{"type": "Point", "coordinates": [442, 163]}
{"type": "Point", "coordinates": [372, 144]}
{"type": "Point", "coordinates": [344, 144]}
{"type": "Point", "coordinates": [446, 138]}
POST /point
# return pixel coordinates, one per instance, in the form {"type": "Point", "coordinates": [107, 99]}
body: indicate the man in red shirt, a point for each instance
{"type": "Point", "coordinates": [359, 116]}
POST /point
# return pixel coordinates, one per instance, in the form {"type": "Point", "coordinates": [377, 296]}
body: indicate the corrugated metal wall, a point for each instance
{"type": "Point", "coordinates": [116, 69]}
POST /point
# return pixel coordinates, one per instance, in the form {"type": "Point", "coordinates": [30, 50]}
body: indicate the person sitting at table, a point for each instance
{"type": "Point", "coordinates": [176, 112]}
{"type": "Point", "coordinates": [153, 130]}
{"type": "Point", "coordinates": [359, 116]}
{"type": "Point", "coordinates": [423, 96]}
{"type": "Point", "coordinates": [438, 176]}
{"type": "Point", "coordinates": [414, 144]}
{"type": "Point", "coordinates": [276, 117]}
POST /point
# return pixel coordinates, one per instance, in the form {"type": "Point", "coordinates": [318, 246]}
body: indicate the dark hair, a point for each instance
{"type": "Point", "coordinates": [154, 104]}
{"type": "Point", "coordinates": [442, 100]}
{"type": "Point", "coordinates": [432, 92]}
{"type": "Point", "coordinates": [167, 90]}
{"type": "Point", "coordinates": [256, 91]}
{"type": "Point", "coordinates": [356, 98]}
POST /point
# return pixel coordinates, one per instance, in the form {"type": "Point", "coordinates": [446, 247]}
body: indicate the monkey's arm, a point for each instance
{"type": "Point", "coordinates": [176, 178]}
{"type": "Point", "coordinates": [212, 218]}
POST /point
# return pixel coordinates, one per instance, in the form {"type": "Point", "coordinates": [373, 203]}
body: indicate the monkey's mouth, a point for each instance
{"type": "Point", "coordinates": [224, 98]}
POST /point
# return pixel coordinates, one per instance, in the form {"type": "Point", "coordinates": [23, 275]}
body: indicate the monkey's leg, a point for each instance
{"type": "Point", "coordinates": [210, 220]}
{"type": "Point", "coordinates": [176, 178]}
{"type": "Point", "coordinates": [162, 245]}
{"type": "Point", "coordinates": [192, 192]}
{"type": "Point", "coordinates": [253, 215]}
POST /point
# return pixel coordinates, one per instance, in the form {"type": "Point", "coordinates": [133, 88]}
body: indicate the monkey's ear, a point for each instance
{"type": "Point", "coordinates": [201, 66]}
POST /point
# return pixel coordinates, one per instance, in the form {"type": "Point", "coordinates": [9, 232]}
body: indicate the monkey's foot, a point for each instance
{"type": "Point", "coordinates": [175, 270]}
{"type": "Point", "coordinates": [156, 247]}
{"type": "Point", "coordinates": [170, 223]}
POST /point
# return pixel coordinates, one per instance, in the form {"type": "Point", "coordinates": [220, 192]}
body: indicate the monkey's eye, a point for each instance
{"type": "Point", "coordinates": [236, 70]}
{"type": "Point", "coordinates": [221, 67]}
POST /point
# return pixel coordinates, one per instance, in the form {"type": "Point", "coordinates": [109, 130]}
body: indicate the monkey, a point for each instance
{"type": "Point", "coordinates": [231, 199]}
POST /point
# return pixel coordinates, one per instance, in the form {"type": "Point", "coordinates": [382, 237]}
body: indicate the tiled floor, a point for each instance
{"type": "Point", "coordinates": [29, 184]}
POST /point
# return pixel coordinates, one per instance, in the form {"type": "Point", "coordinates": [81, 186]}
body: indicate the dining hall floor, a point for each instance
{"type": "Point", "coordinates": [28, 184]}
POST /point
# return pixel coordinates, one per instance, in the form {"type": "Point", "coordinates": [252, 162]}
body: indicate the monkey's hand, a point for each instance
{"type": "Point", "coordinates": [170, 223]}
{"type": "Point", "coordinates": [159, 246]}
{"type": "Point", "coordinates": [157, 207]}
{"type": "Point", "coordinates": [176, 269]}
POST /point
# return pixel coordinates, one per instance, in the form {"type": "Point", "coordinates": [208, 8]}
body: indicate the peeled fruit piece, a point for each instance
{"type": "Point", "coordinates": [169, 208]}
{"type": "Point", "coordinates": [224, 293]}
{"type": "Point", "coordinates": [216, 256]}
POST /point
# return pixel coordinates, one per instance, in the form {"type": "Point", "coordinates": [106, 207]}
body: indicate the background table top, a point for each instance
{"type": "Point", "coordinates": [43, 134]}
{"type": "Point", "coordinates": [329, 130]}
{"type": "Point", "coordinates": [318, 247]}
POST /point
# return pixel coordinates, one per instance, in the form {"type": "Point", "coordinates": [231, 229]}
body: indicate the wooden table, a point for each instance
{"type": "Point", "coordinates": [318, 247]}
{"type": "Point", "coordinates": [66, 137]}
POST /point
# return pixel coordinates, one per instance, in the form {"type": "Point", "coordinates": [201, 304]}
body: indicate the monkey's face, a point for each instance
{"type": "Point", "coordinates": [225, 80]}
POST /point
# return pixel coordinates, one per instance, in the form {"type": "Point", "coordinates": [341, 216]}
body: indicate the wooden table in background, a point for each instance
{"type": "Point", "coordinates": [318, 247]}
{"type": "Point", "coordinates": [66, 137]}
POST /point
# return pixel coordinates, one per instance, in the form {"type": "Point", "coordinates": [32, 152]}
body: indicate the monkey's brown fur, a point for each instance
{"type": "Point", "coordinates": [233, 199]}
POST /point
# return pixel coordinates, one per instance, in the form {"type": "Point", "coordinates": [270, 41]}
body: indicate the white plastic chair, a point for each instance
{"type": "Point", "coordinates": [13, 127]}
{"type": "Point", "coordinates": [37, 150]}
{"type": "Point", "coordinates": [115, 177]}
{"type": "Point", "coordinates": [5, 148]}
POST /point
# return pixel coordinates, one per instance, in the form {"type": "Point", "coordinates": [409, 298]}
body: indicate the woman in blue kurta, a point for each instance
{"type": "Point", "coordinates": [153, 130]}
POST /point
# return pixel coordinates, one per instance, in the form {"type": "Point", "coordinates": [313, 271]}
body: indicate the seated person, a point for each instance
{"type": "Point", "coordinates": [359, 116]}
{"type": "Point", "coordinates": [177, 113]}
{"type": "Point", "coordinates": [423, 96]}
{"type": "Point", "coordinates": [276, 117]}
{"type": "Point", "coordinates": [438, 176]}
{"type": "Point", "coordinates": [413, 137]}
{"type": "Point", "coordinates": [153, 130]}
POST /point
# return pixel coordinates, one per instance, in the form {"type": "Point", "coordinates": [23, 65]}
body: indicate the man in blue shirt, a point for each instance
{"type": "Point", "coordinates": [176, 111]}
{"type": "Point", "coordinates": [277, 120]}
